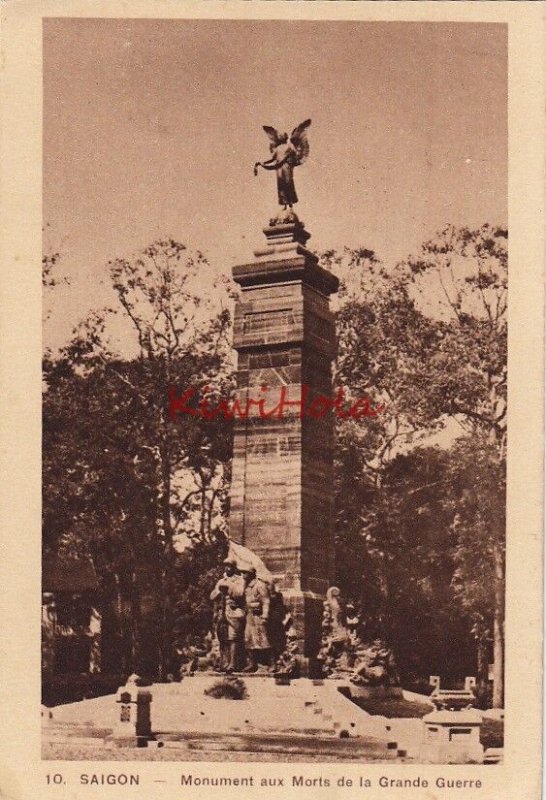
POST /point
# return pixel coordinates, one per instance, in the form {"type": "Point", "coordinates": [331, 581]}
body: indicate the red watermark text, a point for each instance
{"type": "Point", "coordinates": [273, 403]}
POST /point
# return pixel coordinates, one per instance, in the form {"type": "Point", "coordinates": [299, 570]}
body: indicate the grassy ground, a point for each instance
{"type": "Point", "coordinates": [491, 734]}
{"type": "Point", "coordinates": [392, 707]}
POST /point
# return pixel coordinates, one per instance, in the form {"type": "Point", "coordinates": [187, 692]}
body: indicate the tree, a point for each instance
{"type": "Point", "coordinates": [428, 339]}
{"type": "Point", "coordinates": [478, 498]}
{"type": "Point", "coordinates": [468, 371]}
{"type": "Point", "coordinates": [396, 558]}
{"type": "Point", "coordinates": [132, 465]}
{"type": "Point", "coordinates": [381, 336]}
{"type": "Point", "coordinates": [181, 344]}
{"type": "Point", "coordinates": [462, 277]}
{"type": "Point", "coordinates": [97, 500]}
{"type": "Point", "coordinates": [378, 325]}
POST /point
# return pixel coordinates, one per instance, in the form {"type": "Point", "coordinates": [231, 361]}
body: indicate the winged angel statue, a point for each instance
{"type": "Point", "coordinates": [285, 155]}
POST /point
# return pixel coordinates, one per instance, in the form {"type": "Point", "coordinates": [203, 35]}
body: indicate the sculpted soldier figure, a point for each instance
{"type": "Point", "coordinates": [285, 155]}
{"type": "Point", "coordinates": [337, 622]}
{"type": "Point", "coordinates": [257, 598]}
{"type": "Point", "coordinates": [229, 595]}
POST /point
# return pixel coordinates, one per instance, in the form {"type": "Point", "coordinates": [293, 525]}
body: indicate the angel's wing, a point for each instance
{"type": "Point", "coordinates": [299, 140]}
{"type": "Point", "coordinates": [273, 136]}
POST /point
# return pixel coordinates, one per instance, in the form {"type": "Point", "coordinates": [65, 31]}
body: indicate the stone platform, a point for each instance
{"type": "Point", "coordinates": [302, 717]}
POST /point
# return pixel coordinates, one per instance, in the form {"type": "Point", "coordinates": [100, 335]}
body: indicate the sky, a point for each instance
{"type": "Point", "coordinates": [152, 127]}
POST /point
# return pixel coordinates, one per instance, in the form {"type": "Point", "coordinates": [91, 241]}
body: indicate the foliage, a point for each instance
{"type": "Point", "coordinates": [428, 339]}
{"type": "Point", "coordinates": [382, 337]}
{"type": "Point", "coordinates": [396, 559]}
{"type": "Point", "coordinates": [50, 279]}
{"type": "Point", "coordinates": [196, 571]}
{"type": "Point", "coordinates": [492, 733]}
{"type": "Point", "coordinates": [122, 481]}
{"type": "Point", "coordinates": [61, 689]}
{"type": "Point", "coordinates": [49, 260]}
{"type": "Point", "coordinates": [478, 491]}
{"type": "Point", "coordinates": [419, 528]}
{"type": "Point", "coordinates": [465, 272]}
{"type": "Point", "coordinates": [478, 486]}
{"type": "Point", "coordinates": [228, 688]}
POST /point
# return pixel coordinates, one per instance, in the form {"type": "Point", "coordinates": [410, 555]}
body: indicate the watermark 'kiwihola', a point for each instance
{"type": "Point", "coordinates": [190, 402]}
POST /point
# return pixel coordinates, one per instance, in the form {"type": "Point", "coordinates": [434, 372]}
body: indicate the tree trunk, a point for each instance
{"type": "Point", "coordinates": [136, 625]}
{"type": "Point", "coordinates": [166, 572]}
{"type": "Point", "coordinates": [209, 515]}
{"type": "Point", "coordinates": [203, 515]}
{"type": "Point", "coordinates": [121, 625]}
{"type": "Point", "coordinates": [498, 638]}
{"type": "Point", "coordinates": [482, 676]}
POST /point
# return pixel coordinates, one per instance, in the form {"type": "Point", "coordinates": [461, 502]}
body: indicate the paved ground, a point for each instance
{"type": "Point", "coordinates": [302, 722]}
{"type": "Point", "coordinates": [78, 752]}
{"type": "Point", "coordinates": [302, 708]}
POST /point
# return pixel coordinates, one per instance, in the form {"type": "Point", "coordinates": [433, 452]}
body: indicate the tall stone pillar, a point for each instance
{"type": "Point", "coordinates": [282, 481]}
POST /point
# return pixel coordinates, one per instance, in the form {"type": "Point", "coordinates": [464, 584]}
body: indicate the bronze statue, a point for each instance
{"type": "Point", "coordinates": [333, 651]}
{"type": "Point", "coordinates": [375, 665]}
{"type": "Point", "coordinates": [285, 155]}
{"type": "Point", "coordinates": [288, 663]}
{"type": "Point", "coordinates": [229, 596]}
{"type": "Point", "coordinates": [257, 596]}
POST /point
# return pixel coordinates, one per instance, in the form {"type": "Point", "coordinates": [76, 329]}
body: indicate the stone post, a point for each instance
{"type": "Point", "coordinates": [282, 481]}
{"type": "Point", "coordinates": [452, 737]}
{"type": "Point", "coordinates": [133, 724]}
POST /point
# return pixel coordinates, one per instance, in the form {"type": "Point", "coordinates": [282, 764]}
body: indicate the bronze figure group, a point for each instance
{"type": "Point", "coordinates": [248, 615]}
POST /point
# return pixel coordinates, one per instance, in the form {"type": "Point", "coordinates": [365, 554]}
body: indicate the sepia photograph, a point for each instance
{"type": "Point", "coordinates": [271, 437]}
{"type": "Point", "coordinates": [274, 399]}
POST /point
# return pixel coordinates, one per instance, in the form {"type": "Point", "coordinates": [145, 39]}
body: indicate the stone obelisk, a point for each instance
{"type": "Point", "coordinates": [282, 483]}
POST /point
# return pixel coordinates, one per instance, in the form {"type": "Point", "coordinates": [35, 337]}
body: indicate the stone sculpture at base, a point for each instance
{"type": "Point", "coordinates": [343, 653]}
{"type": "Point", "coordinates": [280, 623]}
{"type": "Point", "coordinates": [257, 599]}
{"type": "Point", "coordinates": [287, 665]}
{"type": "Point", "coordinates": [229, 616]}
{"type": "Point", "coordinates": [375, 666]}
{"type": "Point", "coordinates": [252, 626]}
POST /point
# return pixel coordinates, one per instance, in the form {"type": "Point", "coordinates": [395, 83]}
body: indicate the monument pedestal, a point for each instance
{"type": "Point", "coordinates": [282, 481]}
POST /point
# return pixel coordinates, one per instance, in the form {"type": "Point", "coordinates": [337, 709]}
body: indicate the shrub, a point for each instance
{"type": "Point", "coordinates": [72, 688]}
{"type": "Point", "coordinates": [228, 689]}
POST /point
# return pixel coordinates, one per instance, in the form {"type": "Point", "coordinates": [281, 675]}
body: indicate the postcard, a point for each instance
{"type": "Point", "coordinates": [272, 437]}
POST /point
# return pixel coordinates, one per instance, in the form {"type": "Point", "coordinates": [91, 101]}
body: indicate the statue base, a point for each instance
{"type": "Point", "coordinates": [286, 216]}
